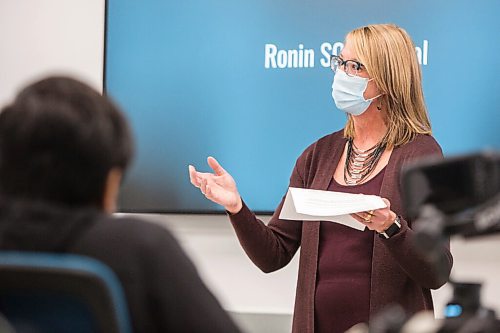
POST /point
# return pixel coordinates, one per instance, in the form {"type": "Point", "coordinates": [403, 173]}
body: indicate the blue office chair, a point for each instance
{"type": "Point", "coordinates": [42, 293]}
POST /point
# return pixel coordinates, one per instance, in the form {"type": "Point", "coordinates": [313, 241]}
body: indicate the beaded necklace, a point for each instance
{"type": "Point", "coordinates": [359, 164]}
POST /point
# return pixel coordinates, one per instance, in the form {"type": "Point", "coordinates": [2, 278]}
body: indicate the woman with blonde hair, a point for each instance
{"type": "Point", "coordinates": [346, 276]}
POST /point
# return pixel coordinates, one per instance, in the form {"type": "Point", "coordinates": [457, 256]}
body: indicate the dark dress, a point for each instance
{"type": "Point", "coordinates": [344, 268]}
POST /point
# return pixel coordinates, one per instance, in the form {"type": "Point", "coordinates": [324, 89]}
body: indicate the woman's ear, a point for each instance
{"type": "Point", "coordinates": [111, 189]}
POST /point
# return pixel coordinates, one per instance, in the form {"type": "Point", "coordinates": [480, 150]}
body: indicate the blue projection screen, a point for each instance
{"type": "Point", "coordinates": [248, 82]}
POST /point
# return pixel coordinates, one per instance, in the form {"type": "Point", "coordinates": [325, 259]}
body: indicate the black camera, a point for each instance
{"type": "Point", "coordinates": [444, 197]}
{"type": "Point", "coordinates": [465, 190]}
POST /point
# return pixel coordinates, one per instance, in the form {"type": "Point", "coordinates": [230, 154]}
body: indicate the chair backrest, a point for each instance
{"type": "Point", "coordinates": [41, 292]}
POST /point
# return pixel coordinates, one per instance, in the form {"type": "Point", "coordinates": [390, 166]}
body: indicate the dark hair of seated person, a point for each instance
{"type": "Point", "coordinates": [58, 141]}
{"type": "Point", "coordinates": [63, 149]}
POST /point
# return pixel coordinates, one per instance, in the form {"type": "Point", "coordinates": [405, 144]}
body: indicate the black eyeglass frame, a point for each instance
{"type": "Point", "coordinates": [337, 61]}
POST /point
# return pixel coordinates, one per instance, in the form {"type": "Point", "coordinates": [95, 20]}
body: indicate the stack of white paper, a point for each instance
{"type": "Point", "coordinates": [315, 205]}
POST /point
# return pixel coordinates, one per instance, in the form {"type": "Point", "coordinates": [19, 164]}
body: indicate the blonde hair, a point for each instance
{"type": "Point", "coordinates": [389, 56]}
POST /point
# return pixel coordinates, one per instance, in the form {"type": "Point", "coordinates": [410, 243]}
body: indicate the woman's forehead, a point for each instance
{"type": "Point", "coordinates": [348, 53]}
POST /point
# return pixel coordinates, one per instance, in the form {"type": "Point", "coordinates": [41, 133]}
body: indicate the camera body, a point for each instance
{"type": "Point", "coordinates": [463, 190]}
{"type": "Point", "coordinates": [444, 197]}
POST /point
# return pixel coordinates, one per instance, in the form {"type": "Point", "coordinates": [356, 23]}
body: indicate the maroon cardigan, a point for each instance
{"type": "Point", "coordinates": [399, 273]}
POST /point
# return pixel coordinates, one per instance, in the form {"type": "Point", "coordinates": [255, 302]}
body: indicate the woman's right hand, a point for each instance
{"type": "Point", "coordinates": [219, 186]}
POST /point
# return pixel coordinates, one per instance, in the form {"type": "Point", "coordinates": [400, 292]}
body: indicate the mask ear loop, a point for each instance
{"type": "Point", "coordinates": [373, 98]}
{"type": "Point", "coordinates": [379, 107]}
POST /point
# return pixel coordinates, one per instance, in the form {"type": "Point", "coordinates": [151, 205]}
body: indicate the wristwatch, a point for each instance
{"type": "Point", "coordinates": [392, 230]}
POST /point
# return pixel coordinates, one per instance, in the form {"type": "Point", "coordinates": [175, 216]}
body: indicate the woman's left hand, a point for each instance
{"type": "Point", "coordinates": [378, 219]}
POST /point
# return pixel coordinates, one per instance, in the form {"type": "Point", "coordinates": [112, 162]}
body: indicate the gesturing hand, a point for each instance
{"type": "Point", "coordinates": [218, 187]}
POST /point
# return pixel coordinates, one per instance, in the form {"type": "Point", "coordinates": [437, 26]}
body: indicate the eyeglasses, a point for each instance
{"type": "Point", "coordinates": [350, 67]}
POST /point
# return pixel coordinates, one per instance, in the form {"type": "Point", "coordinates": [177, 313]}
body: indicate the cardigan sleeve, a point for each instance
{"type": "Point", "coordinates": [271, 246]}
{"type": "Point", "coordinates": [431, 273]}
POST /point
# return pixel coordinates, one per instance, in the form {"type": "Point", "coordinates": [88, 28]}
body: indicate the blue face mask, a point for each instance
{"type": "Point", "coordinates": [347, 92]}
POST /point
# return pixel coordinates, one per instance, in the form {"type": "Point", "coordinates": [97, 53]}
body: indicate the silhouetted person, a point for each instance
{"type": "Point", "coordinates": [63, 151]}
